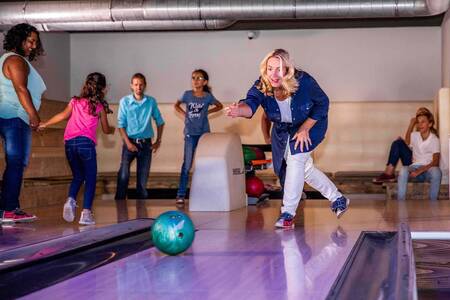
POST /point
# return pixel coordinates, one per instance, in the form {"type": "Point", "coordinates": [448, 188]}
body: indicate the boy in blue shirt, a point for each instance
{"type": "Point", "coordinates": [135, 126]}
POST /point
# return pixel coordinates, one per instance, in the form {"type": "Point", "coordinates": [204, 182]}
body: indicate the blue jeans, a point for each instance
{"type": "Point", "coordinates": [400, 151]}
{"type": "Point", "coordinates": [190, 144]}
{"type": "Point", "coordinates": [143, 159]}
{"type": "Point", "coordinates": [82, 158]}
{"type": "Point", "coordinates": [432, 175]}
{"type": "Point", "coordinates": [16, 136]}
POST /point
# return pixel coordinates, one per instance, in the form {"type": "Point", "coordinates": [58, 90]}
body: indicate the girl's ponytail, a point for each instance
{"type": "Point", "coordinates": [94, 90]}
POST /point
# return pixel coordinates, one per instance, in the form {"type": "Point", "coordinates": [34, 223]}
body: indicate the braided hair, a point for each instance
{"type": "Point", "coordinates": [94, 91]}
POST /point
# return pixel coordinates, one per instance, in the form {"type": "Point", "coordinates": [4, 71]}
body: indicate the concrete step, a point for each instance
{"type": "Point", "coordinates": [41, 193]}
{"type": "Point", "coordinates": [51, 137]}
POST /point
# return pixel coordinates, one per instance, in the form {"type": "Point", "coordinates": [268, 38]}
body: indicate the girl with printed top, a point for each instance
{"type": "Point", "coordinates": [83, 113]}
{"type": "Point", "coordinates": [196, 102]}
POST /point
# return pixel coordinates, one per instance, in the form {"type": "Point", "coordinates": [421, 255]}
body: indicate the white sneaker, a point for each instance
{"type": "Point", "coordinates": [87, 218]}
{"type": "Point", "coordinates": [69, 209]}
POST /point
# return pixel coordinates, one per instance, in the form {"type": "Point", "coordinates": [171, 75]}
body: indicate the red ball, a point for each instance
{"type": "Point", "coordinates": [254, 186]}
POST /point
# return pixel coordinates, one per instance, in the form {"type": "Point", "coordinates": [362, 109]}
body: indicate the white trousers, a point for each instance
{"type": "Point", "coordinates": [300, 169]}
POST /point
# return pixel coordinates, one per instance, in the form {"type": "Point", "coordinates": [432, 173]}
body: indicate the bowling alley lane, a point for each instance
{"type": "Point", "coordinates": [238, 254]}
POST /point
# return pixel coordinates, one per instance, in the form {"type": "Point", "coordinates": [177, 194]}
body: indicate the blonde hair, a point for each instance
{"type": "Point", "coordinates": [425, 112]}
{"type": "Point", "coordinates": [289, 83]}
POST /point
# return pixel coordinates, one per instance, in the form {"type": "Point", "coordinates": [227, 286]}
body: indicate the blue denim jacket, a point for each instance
{"type": "Point", "coordinates": [309, 101]}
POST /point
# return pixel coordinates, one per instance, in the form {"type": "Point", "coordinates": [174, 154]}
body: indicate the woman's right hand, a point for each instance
{"type": "Point", "coordinates": [413, 121]}
{"type": "Point", "coordinates": [232, 110]}
{"type": "Point", "coordinates": [302, 139]}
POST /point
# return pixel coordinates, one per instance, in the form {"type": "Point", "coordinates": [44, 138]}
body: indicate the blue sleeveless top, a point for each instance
{"type": "Point", "coordinates": [10, 106]}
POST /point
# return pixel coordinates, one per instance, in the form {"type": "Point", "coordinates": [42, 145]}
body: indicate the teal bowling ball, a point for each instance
{"type": "Point", "coordinates": [173, 232]}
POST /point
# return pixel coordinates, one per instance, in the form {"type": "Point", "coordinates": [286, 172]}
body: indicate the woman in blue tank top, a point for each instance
{"type": "Point", "coordinates": [21, 88]}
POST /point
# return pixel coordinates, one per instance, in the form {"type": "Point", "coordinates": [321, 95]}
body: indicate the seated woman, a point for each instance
{"type": "Point", "coordinates": [419, 153]}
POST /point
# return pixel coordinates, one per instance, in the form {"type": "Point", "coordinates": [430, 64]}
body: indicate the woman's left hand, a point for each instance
{"type": "Point", "coordinates": [301, 138]}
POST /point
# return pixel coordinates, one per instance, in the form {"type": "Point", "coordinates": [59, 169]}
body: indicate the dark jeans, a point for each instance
{"type": "Point", "coordinates": [190, 144]}
{"type": "Point", "coordinates": [400, 151]}
{"type": "Point", "coordinates": [82, 157]}
{"type": "Point", "coordinates": [144, 159]}
{"type": "Point", "coordinates": [16, 136]}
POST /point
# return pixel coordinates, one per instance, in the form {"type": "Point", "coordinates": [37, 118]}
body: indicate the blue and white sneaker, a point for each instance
{"type": "Point", "coordinates": [69, 209]}
{"type": "Point", "coordinates": [286, 220]}
{"type": "Point", "coordinates": [339, 206]}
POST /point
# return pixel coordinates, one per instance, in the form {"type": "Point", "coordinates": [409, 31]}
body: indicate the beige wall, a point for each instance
{"type": "Point", "coordinates": [443, 101]}
{"type": "Point", "coordinates": [446, 50]}
{"type": "Point", "coordinates": [360, 134]}
{"type": "Point", "coordinates": [358, 138]}
{"type": "Point", "coordinates": [379, 69]}
{"type": "Point", "coordinates": [353, 64]}
{"type": "Point", "coordinates": [442, 109]}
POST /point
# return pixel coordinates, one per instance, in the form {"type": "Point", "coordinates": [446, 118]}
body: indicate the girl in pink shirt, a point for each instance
{"type": "Point", "coordinates": [84, 112]}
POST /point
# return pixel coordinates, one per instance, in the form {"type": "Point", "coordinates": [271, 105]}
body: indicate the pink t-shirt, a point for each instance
{"type": "Point", "coordinates": [81, 122]}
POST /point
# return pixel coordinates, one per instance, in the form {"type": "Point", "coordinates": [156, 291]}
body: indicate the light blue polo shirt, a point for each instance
{"type": "Point", "coordinates": [136, 116]}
